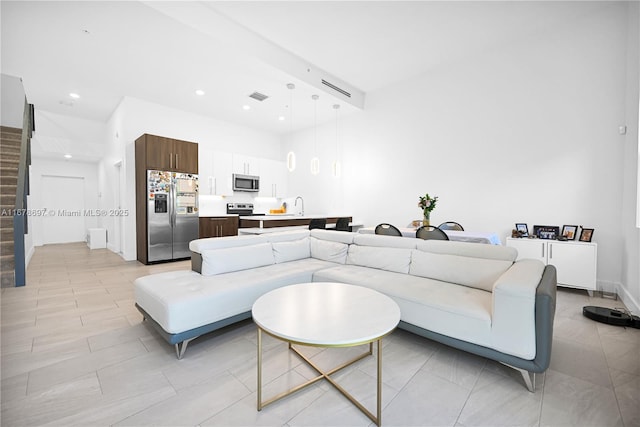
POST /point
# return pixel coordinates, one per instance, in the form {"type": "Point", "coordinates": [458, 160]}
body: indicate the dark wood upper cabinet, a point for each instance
{"type": "Point", "coordinates": [168, 154]}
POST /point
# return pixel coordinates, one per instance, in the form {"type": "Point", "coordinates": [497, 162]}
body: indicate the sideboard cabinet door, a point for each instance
{"type": "Point", "coordinates": [575, 262]}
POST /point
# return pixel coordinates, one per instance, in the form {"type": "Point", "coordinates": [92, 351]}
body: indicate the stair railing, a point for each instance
{"type": "Point", "coordinates": [20, 223]}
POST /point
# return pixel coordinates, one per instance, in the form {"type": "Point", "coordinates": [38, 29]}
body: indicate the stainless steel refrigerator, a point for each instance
{"type": "Point", "coordinates": [172, 214]}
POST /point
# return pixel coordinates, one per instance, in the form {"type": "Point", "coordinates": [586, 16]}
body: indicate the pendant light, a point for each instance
{"type": "Point", "coordinates": [336, 163]}
{"type": "Point", "coordinates": [291, 156]}
{"type": "Point", "coordinates": [315, 162]}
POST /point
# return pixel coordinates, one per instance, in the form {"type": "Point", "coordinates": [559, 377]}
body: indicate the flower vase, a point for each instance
{"type": "Point", "coordinates": [425, 220]}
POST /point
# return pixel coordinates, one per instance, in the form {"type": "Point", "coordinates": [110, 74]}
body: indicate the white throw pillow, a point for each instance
{"type": "Point", "coordinates": [468, 271]}
{"type": "Point", "coordinates": [329, 251]}
{"type": "Point", "coordinates": [218, 261]}
{"type": "Point", "coordinates": [291, 251]}
{"type": "Point", "coordinates": [390, 259]}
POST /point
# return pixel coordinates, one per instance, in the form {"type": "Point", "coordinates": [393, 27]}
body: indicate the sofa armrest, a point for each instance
{"type": "Point", "coordinates": [196, 262]}
{"type": "Point", "coordinates": [513, 321]}
{"type": "Point", "coordinates": [545, 314]}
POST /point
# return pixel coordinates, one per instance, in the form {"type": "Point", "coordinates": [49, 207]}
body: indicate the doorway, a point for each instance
{"type": "Point", "coordinates": [63, 197]}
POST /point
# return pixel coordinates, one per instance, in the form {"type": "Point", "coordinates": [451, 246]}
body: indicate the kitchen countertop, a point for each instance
{"type": "Point", "coordinates": [284, 217]}
{"type": "Point", "coordinates": [218, 216]}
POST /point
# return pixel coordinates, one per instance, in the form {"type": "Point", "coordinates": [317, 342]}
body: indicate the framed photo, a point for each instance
{"type": "Point", "coordinates": [522, 229]}
{"type": "Point", "coordinates": [586, 234]}
{"type": "Point", "coordinates": [569, 231]}
{"type": "Point", "coordinates": [549, 232]}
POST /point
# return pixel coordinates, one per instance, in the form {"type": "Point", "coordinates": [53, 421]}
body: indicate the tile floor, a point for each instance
{"type": "Point", "coordinates": [75, 352]}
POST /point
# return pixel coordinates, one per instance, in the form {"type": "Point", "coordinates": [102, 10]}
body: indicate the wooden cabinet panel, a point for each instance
{"type": "Point", "coordinates": [159, 152]}
{"type": "Point", "coordinates": [218, 226]}
{"type": "Point", "coordinates": [167, 154]}
{"type": "Point", "coordinates": [185, 156]}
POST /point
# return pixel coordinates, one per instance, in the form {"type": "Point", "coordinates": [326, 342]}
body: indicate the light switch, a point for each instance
{"type": "Point", "coordinates": [622, 130]}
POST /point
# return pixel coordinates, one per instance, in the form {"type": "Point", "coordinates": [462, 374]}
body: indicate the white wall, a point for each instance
{"type": "Point", "coordinates": [11, 101]}
{"type": "Point", "coordinates": [134, 117]}
{"type": "Point", "coordinates": [630, 260]}
{"type": "Point", "coordinates": [57, 134]}
{"type": "Point", "coordinates": [47, 167]}
{"type": "Point", "coordinates": [527, 132]}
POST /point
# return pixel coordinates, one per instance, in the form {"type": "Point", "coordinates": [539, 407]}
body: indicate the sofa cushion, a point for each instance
{"type": "Point", "coordinates": [390, 259]}
{"type": "Point", "coordinates": [463, 270]}
{"type": "Point", "coordinates": [467, 249]}
{"type": "Point", "coordinates": [332, 235]}
{"type": "Point", "coordinates": [384, 241]}
{"type": "Point", "coordinates": [286, 236]}
{"type": "Point", "coordinates": [201, 245]}
{"type": "Point", "coordinates": [327, 250]}
{"type": "Point", "coordinates": [218, 261]}
{"type": "Point", "coordinates": [184, 300]}
{"type": "Point", "coordinates": [445, 308]}
{"type": "Point", "coordinates": [291, 250]}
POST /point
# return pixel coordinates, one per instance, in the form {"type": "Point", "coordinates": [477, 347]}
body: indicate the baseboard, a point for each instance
{"type": "Point", "coordinates": [27, 258]}
{"type": "Point", "coordinates": [616, 290]}
{"type": "Point", "coordinates": [629, 301]}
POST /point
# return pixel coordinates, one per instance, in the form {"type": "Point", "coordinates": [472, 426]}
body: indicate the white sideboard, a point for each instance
{"type": "Point", "coordinates": [575, 261]}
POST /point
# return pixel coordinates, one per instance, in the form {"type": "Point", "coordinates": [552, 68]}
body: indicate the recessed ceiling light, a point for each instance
{"type": "Point", "coordinates": [246, 107]}
{"type": "Point", "coordinates": [74, 95]}
{"type": "Point", "coordinates": [281, 118]}
{"type": "Point", "coordinates": [68, 156]}
{"type": "Point", "coordinates": [199, 92]}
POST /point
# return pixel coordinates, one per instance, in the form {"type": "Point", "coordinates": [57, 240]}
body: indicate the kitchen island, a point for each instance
{"type": "Point", "coordinates": [285, 220]}
{"type": "Point", "coordinates": [355, 225]}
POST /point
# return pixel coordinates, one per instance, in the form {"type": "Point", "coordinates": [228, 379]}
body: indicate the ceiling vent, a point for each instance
{"type": "Point", "coordinates": [258, 96]}
{"type": "Point", "coordinates": [336, 88]}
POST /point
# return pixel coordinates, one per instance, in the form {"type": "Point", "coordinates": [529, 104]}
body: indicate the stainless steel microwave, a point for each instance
{"type": "Point", "coordinates": [246, 182]}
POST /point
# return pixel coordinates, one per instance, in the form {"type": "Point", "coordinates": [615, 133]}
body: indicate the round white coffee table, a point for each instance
{"type": "Point", "coordinates": [324, 314]}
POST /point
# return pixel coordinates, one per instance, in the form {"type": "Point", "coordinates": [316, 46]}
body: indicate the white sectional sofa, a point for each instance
{"type": "Point", "coordinates": [467, 295]}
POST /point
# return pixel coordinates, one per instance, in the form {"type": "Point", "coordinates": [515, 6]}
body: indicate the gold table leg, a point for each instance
{"type": "Point", "coordinates": [259, 369]}
{"type": "Point", "coordinates": [377, 419]}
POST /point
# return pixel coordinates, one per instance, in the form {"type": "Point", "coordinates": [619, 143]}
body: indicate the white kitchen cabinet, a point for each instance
{"type": "Point", "coordinates": [205, 171]}
{"type": "Point", "coordinates": [246, 165]}
{"type": "Point", "coordinates": [273, 178]}
{"type": "Point", "coordinates": [575, 261]}
{"type": "Point", "coordinates": [222, 172]}
{"type": "Point", "coordinates": [214, 172]}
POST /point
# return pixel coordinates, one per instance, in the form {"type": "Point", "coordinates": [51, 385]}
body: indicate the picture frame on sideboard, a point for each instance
{"type": "Point", "coordinates": [569, 231]}
{"type": "Point", "coordinates": [586, 234]}
{"type": "Point", "coordinates": [522, 229]}
{"type": "Point", "coordinates": [548, 232]}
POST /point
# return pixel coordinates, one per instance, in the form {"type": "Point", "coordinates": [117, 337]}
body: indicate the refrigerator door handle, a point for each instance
{"type": "Point", "coordinates": [172, 204]}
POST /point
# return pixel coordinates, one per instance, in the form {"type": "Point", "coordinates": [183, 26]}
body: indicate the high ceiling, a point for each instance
{"type": "Point", "coordinates": [163, 51]}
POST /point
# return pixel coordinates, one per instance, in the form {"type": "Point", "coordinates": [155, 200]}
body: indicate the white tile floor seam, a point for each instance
{"type": "Point", "coordinates": [76, 352]}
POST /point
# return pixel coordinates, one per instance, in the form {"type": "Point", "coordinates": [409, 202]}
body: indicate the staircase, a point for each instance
{"type": "Point", "coordinates": [10, 139]}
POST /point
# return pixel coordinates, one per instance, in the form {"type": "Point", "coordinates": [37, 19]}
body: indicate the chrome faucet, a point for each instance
{"type": "Point", "coordinates": [296, 204]}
